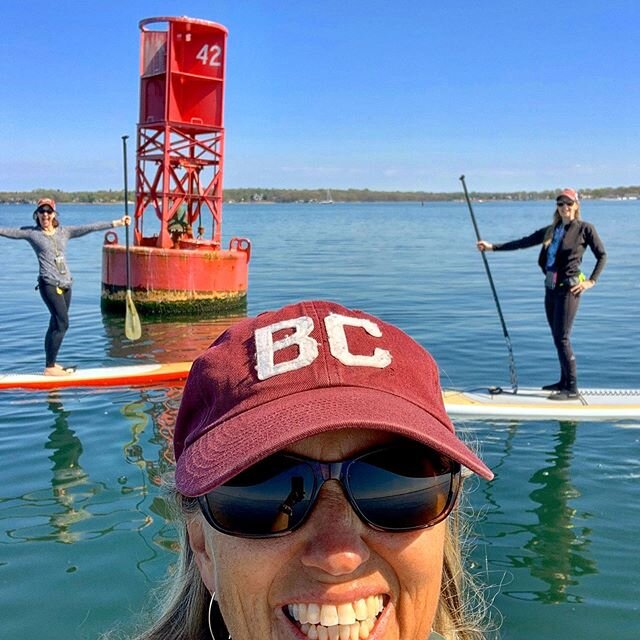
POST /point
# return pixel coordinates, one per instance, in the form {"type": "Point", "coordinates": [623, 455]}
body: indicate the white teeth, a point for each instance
{"type": "Point", "coordinates": [329, 615]}
{"type": "Point", "coordinates": [313, 613]}
{"type": "Point", "coordinates": [361, 609]}
{"type": "Point", "coordinates": [347, 614]}
{"type": "Point", "coordinates": [302, 613]}
{"type": "Point", "coordinates": [374, 606]}
{"type": "Point", "coordinates": [346, 621]}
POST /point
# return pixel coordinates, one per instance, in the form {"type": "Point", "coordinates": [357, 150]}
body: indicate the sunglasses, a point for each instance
{"type": "Point", "coordinates": [565, 203]}
{"type": "Point", "coordinates": [45, 212]}
{"type": "Point", "coordinates": [397, 488]}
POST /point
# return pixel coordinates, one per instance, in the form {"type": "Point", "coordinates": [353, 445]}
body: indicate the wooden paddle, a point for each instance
{"type": "Point", "coordinates": [132, 328]}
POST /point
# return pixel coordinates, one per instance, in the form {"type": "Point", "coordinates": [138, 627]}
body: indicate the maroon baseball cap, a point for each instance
{"type": "Point", "coordinates": [308, 368]}
{"type": "Point", "coordinates": [572, 194]}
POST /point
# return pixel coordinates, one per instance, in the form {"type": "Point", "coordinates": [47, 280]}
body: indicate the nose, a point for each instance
{"type": "Point", "coordinates": [335, 543]}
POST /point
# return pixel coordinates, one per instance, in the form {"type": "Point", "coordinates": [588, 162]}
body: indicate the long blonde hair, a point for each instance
{"type": "Point", "coordinates": [183, 610]}
{"type": "Point", "coordinates": [548, 236]}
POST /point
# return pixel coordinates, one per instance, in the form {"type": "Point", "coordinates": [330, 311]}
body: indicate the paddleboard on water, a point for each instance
{"type": "Point", "coordinates": [533, 403]}
{"type": "Point", "coordinates": [140, 374]}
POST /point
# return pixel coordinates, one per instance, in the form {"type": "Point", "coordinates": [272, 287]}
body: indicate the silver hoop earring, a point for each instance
{"type": "Point", "coordinates": [215, 620]}
{"type": "Point", "coordinates": [213, 597]}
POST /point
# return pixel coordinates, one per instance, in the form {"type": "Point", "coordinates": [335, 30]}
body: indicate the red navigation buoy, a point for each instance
{"type": "Point", "coordinates": [178, 265]}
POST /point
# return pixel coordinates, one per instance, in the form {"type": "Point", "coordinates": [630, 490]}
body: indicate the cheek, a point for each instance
{"type": "Point", "coordinates": [246, 575]}
{"type": "Point", "coordinates": [248, 562]}
{"type": "Point", "coordinates": [416, 560]}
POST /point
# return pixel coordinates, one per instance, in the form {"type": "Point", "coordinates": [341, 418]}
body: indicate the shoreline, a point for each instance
{"type": "Point", "coordinates": [458, 200]}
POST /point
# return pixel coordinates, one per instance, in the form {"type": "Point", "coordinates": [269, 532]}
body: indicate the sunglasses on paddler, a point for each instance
{"type": "Point", "coordinates": [396, 488]}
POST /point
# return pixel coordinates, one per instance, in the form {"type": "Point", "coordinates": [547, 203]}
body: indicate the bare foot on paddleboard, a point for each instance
{"type": "Point", "coordinates": [57, 370]}
{"type": "Point", "coordinates": [67, 369]}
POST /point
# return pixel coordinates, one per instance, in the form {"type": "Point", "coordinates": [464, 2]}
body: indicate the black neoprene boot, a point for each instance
{"type": "Point", "coordinates": [567, 394]}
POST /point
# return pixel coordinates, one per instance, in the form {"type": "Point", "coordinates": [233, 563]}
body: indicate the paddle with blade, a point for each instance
{"type": "Point", "coordinates": [132, 328]}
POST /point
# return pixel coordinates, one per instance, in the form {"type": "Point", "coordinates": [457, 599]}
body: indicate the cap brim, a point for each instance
{"type": "Point", "coordinates": [232, 446]}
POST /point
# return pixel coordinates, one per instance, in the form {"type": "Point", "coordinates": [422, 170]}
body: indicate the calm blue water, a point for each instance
{"type": "Point", "coordinates": [83, 536]}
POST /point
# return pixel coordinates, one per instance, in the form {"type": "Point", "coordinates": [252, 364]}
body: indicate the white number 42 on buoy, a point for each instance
{"type": "Point", "coordinates": [211, 55]}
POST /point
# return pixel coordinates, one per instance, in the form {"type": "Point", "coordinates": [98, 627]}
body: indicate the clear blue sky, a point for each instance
{"type": "Point", "coordinates": [353, 93]}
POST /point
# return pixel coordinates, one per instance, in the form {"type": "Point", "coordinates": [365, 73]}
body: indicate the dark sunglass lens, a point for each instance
{"type": "Point", "coordinates": [403, 488]}
{"type": "Point", "coordinates": [271, 497]}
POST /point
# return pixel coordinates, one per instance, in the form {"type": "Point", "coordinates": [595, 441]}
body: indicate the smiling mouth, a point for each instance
{"type": "Point", "coordinates": [345, 621]}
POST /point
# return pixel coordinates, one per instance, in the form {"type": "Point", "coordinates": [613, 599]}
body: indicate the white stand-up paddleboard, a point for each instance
{"type": "Point", "coordinates": [532, 403]}
{"type": "Point", "coordinates": [140, 374]}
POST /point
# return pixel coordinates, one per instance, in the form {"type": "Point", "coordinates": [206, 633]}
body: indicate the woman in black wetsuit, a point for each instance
{"type": "Point", "coordinates": [563, 245]}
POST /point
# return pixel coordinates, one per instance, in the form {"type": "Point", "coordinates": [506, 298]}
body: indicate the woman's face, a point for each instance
{"type": "Point", "coordinates": [46, 217]}
{"type": "Point", "coordinates": [567, 210]}
{"type": "Point", "coordinates": [333, 562]}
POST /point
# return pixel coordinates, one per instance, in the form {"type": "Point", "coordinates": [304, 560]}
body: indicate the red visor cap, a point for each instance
{"type": "Point", "coordinates": [305, 369]}
{"type": "Point", "coordinates": [572, 194]}
{"type": "Point", "coordinates": [46, 202]}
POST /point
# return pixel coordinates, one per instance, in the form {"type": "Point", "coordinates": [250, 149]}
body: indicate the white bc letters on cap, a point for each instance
{"type": "Point", "coordinates": [266, 346]}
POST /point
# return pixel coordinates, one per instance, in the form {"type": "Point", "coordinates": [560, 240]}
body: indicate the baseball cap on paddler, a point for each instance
{"type": "Point", "coordinates": [567, 194]}
{"type": "Point", "coordinates": [305, 369]}
{"type": "Point", "coordinates": [46, 202]}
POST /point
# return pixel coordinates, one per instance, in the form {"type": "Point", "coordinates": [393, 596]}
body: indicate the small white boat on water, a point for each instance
{"type": "Point", "coordinates": [328, 199]}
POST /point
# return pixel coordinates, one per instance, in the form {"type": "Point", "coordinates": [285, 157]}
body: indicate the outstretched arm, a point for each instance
{"type": "Point", "coordinates": [76, 232]}
{"type": "Point", "coordinates": [531, 240]}
{"type": "Point", "coordinates": [15, 234]}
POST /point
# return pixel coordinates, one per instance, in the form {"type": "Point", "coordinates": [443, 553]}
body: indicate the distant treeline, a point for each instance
{"type": "Point", "coordinates": [84, 197]}
{"type": "Point", "coordinates": [256, 194]}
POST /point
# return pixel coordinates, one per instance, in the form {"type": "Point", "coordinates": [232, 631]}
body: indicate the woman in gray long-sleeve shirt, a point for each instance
{"type": "Point", "coordinates": [49, 240]}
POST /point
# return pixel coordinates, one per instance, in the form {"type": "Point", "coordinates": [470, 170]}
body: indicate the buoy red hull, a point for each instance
{"type": "Point", "coordinates": [177, 280]}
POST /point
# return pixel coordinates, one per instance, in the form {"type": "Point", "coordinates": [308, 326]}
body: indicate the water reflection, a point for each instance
{"type": "Point", "coordinates": [558, 545]}
{"type": "Point", "coordinates": [74, 507]}
{"type": "Point", "coordinates": [67, 473]}
{"type": "Point", "coordinates": [158, 411]}
{"type": "Point", "coordinates": [66, 511]}
{"type": "Point", "coordinates": [153, 414]}
{"type": "Point", "coordinates": [165, 341]}
{"type": "Point", "coordinates": [151, 417]}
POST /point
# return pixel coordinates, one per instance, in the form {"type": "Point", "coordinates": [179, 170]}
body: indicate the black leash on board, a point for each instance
{"type": "Point", "coordinates": [513, 375]}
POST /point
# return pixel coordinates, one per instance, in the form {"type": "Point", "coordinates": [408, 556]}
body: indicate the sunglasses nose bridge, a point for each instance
{"type": "Point", "coordinates": [331, 470]}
